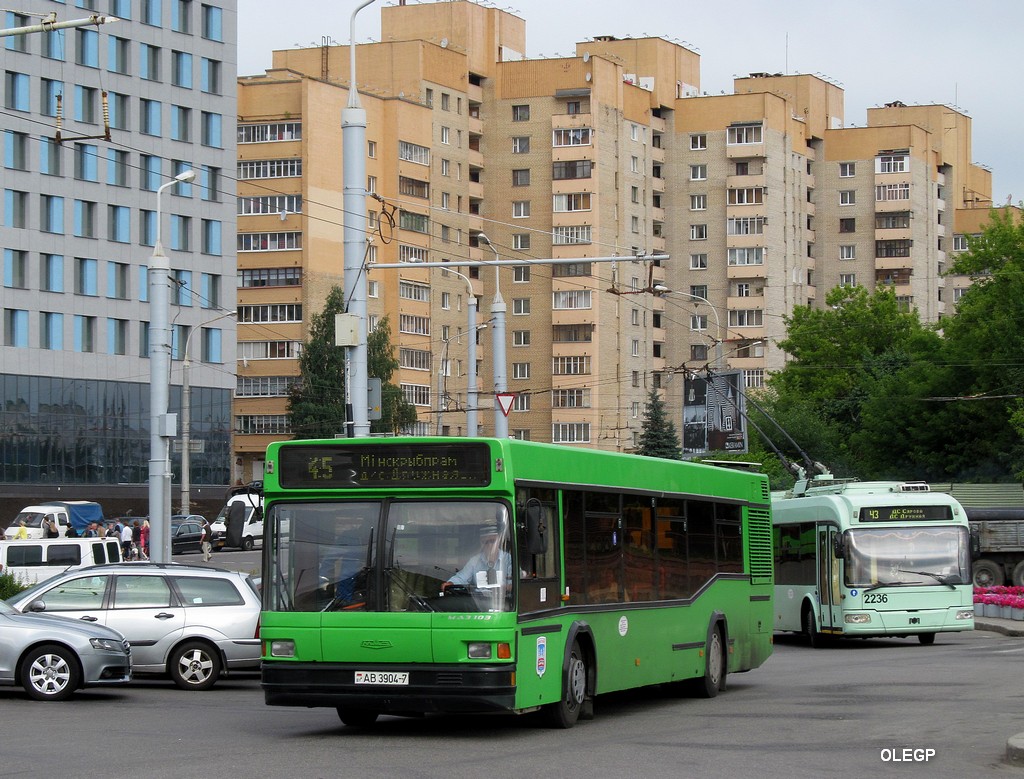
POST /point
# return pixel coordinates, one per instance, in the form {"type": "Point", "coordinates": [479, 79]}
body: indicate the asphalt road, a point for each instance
{"type": "Point", "coordinates": [842, 711]}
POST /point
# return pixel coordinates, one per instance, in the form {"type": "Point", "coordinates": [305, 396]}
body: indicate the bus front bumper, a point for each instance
{"type": "Point", "coordinates": [430, 688]}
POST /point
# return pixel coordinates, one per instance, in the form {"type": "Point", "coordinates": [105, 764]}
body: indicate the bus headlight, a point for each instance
{"type": "Point", "coordinates": [282, 647]}
{"type": "Point", "coordinates": [858, 619]}
{"type": "Point", "coordinates": [480, 650]}
{"type": "Point", "coordinates": [965, 614]}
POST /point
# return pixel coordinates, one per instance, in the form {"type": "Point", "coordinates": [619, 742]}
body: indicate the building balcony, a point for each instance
{"type": "Point", "coordinates": [572, 316]}
{"type": "Point", "coordinates": [657, 183]}
{"type": "Point", "coordinates": [658, 124]}
{"type": "Point", "coordinates": [658, 154]}
{"type": "Point", "coordinates": [893, 263]}
{"type": "Point", "coordinates": [751, 272]}
{"type": "Point", "coordinates": [750, 180]}
{"type": "Point", "coordinates": [754, 300]}
{"type": "Point", "coordinates": [901, 234]}
{"type": "Point", "coordinates": [744, 150]}
{"type": "Point", "coordinates": [475, 125]}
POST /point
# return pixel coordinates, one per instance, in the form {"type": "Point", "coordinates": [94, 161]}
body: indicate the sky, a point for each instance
{"type": "Point", "coordinates": [920, 52]}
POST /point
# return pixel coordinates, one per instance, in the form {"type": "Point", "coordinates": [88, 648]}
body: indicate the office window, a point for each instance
{"type": "Point", "coordinates": [51, 214]}
{"type": "Point", "coordinates": [86, 165]}
{"type": "Point", "coordinates": [181, 69]}
{"type": "Point", "coordinates": [209, 183]}
{"type": "Point", "coordinates": [117, 280]}
{"type": "Point", "coordinates": [151, 12]}
{"type": "Point", "coordinates": [48, 92]}
{"type": "Point", "coordinates": [212, 345]}
{"type": "Point", "coordinates": [16, 208]}
{"type": "Point", "coordinates": [181, 16]}
{"type": "Point", "coordinates": [16, 95]}
{"type": "Point", "coordinates": [118, 228]}
{"type": "Point", "coordinates": [86, 276]}
{"type": "Point", "coordinates": [211, 129]}
{"type": "Point", "coordinates": [85, 333]}
{"type": "Point", "coordinates": [118, 54]}
{"type": "Point", "coordinates": [213, 23]}
{"type": "Point", "coordinates": [211, 236]}
{"type": "Point", "coordinates": [149, 62]}
{"type": "Point", "coordinates": [55, 45]}
{"type": "Point", "coordinates": [15, 150]}
{"type": "Point", "coordinates": [15, 268]}
{"type": "Point", "coordinates": [15, 327]}
{"type": "Point", "coordinates": [150, 113]}
{"type": "Point", "coordinates": [85, 219]}
{"type": "Point", "coordinates": [51, 330]}
{"type": "Point", "coordinates": [117, 107]}
{"type": "Point", "coordinates": [181, 229]}
{"type": "Point", "coordinates": [210, 76]}
{"type": "Point", "coordinates": [150, 172]}
{"type": "Point", "coordinates": [51, 272]}
{"type": "Point", "coordinates": [87, 48]}
{"type": "Point", "coordinates": [117, 336]}
{"type": "Point", "coordinates": [86, 104]}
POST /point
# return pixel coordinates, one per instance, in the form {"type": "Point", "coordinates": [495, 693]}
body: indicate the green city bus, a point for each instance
{"type": "Point", "coordinates": [414, 575]}
{"type": "Point", "coordinates": [862, 559]}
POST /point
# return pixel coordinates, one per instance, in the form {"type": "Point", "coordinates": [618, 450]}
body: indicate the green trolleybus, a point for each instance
{"type": "Point", "coordinates": [414, 575]}
{"type": "Point", "coordinates": [867, 559]}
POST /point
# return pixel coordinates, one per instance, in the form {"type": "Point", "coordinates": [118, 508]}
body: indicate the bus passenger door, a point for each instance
{"type": "Point", "coordinates": [539, 577]}
{"type": "Point", "coordinates": [828, 582]}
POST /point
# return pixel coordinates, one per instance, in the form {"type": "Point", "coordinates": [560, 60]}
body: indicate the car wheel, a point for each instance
{"type": "Point", "coordinates": [194, 666]}
{"type": "Point", "coordinates": [50, 673]}
{"type": "Point", "coordinates": [247, 543]}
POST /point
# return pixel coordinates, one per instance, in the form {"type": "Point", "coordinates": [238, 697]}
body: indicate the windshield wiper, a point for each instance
{"type": "Point", "coordinates": [938, 577]}
{"type": "Point", "coordinates": [878, 584]}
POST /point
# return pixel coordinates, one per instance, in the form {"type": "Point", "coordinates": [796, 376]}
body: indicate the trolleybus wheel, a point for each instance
{"type": "Point", "coordinates": [811, 630]}
{"type": "Point", "coordinates": [566, 711]}
{"type": "Point", "coordinates": [926, 638]}
{"type": "Point", "coordinates": [357, 718]}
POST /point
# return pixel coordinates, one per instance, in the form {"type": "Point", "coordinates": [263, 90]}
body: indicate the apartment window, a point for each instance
{"type": "Point", "coordinates": [634, 224]}
{"type": "Point", "coordinates": [698, 172]}
{"type": "Point", "coordinates": [520, 370]}
{"type": "Point", "coordinates": [445, 135]}
{"type": "Point", "coordinates": [408, 290]}
{"type": "Point", "coordinates": [520, 241]}
{"type": "Point", "coordinates": [746, 318]}
{"type": "Point", "coordinates": [576, 201]}
{"type": "Point", "coordinates": [634, 164]}
{"type": "Point", "coordinates": [698, 232]}
{"type": "Point", "coordinates": [521, 177]}
{"type": "Point", "coordinates": [745, 196]}
{"type": "Point", "coordinates": [847, 197]}
{"type": "Point", "coordinates": [15, 327]}
{"type": "Point", "coordinates": [698, 141]}
{"type": "Point", "coordinates": [745, 225]}
{"type": "Point", "coordinates": [570, 433]}
{"type": "Point", "coordinates": [892, 192]}
{"type": "Point", "coordinates": [847, 252]}
{"type": "Point", "coordinates": [571, 169]}
{"type": "Point", "coordinates": [520, 274]}
{"type": "Point", "coordinates": [413, 187]}
{"type": "Point", "coordinates": [571, 234]}
{"type": "Point", "coordinates": [898, 220]}
{"type": "Point", "coordinates": [573, 107]}
{"type": "Point", "coordinates": [520, 306]}
{"type": "Point", "coordinates": [578, 136]}
{"type": "Point", "coordinates": [573, 398]}
{"type": "Point", "coordinates": [521, 402]}
{"type": "Point", "coordinates": [848, 225]}
{"type": "Point", "coordinates": [698, 202]}
{"type": "Point", "coordinates": [520, 113]}
{"type": "Point", "coordinates": [744, 134]}
{"type": "Point", "coordinates": [753, 378]}
{"type": "Point", "coordinates": [753, 255]}
{"type": "Point", "coordinates": [894, 248]}
{"type": "Point", "coordinates": [571, 366]}
{"type": "Point", "coordinates": [412, 152]}
{"type": "Point", "coordinates": [698, 261]}
{"type": "Point", "coordinates": [742, 168]}
{"type": "Point", "coordinates": [847, 279]}
{"type": "Point", "coordinates": [521, 144]}
{"type": "Point", "coordinates": [847, 170]}
{"type": "Point", "coordinates": [520, 209]}
{"type": "Point", "coordinates": [564, 300]}
{"type": "Point", "coordinates": [698, 322]}
{"type": "Point", "coordinates": [520, 337]}
{"type": "Point", "coordinates": [891, 163]}
{"type": "Point", "coordinates": [959, 243]}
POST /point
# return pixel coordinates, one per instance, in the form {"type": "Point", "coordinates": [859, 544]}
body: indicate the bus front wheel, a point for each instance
{"type": "Point", "coordinates": [814, 638]}
{"type": "Point", "coordinates": [927, 639]}
{"type": "Point", "coordinates": [715, 666]}
{"type": "Point", "coordinates": [565, 712]}
{"type": "Point", "coordinates": [357, 718]}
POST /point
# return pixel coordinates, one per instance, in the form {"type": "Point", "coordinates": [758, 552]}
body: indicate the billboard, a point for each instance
{"type": "Point", "coordinates": [714, 413]}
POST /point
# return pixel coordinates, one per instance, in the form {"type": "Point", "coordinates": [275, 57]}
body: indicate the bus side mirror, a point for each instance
{"type": "Point", "coordinates": [838, 547]}
{"type": "Point", "coordinates": [536, 529]}
{"type": "Point", "coordinates": [975, 543]}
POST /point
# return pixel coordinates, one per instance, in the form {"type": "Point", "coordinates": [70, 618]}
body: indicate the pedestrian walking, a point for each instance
{"type": "Point", "coordinates": [206, 541]}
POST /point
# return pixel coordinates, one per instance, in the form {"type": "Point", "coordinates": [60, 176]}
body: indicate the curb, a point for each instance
{"type": "Point", "coordinates": [1004, 626]}
{"type": "Point", "coordinates": [1015, 750]}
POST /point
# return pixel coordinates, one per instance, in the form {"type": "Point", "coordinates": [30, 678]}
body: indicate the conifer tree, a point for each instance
{"type": "Point", "coordinates": [658, 437]}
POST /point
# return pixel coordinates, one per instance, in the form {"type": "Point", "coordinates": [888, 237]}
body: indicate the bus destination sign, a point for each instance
{"type": "Point", "coordinates": [346, 466]}
{"type": "Point", "coordinates": [906, 514]}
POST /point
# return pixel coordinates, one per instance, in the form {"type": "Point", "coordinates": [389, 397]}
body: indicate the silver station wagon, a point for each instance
{"type": "Point", "coordinates": [191, 622]}
{"type": "Point", "coordinates": [51, 657]}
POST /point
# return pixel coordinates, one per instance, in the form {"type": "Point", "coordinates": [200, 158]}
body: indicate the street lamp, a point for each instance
{"type": "Point", "coordinates": [161, 424]}
{"type": "Point", "coordinates": [186, 417]}
{"type": "Point", "coordinates": [662, 291]}
{"type": "Point", "coordinates": [471, 389]}
{"type": "Point", "coordinates": [498, 315]}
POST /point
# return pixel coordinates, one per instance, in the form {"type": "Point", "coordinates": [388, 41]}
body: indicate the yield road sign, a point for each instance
{"type": "Point", "coordinates": [505, 400]}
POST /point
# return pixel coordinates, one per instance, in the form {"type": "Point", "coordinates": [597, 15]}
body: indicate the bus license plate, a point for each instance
{"type": "Point", "coordinates": [382, 677]}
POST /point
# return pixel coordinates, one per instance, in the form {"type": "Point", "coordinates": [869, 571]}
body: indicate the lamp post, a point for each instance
{"type": "Point", "coordinates": [663, 291]}
{"type": "Point", "coordinates": [186, 417]}
{"type": "Point", "coordinates": [471, 379]}
{"type": "Point", "coordinates": [498, 315]}
{"type": "Point", "coordinates": [161, 424]}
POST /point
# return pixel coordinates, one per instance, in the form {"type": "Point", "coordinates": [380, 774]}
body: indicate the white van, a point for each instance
{"type": "Point", "coordinates": [63, 513]}
{"type": "Point", "coordinates": [251, 503]}
{"type": "Point", "coordinates": [39, 559]}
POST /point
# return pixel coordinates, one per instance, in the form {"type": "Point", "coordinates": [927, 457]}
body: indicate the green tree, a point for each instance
{"type": "Point", "coordinates": [396, 413]}
{"type": "Point", "coordinates": [658, 437]}
{"type": "Point", "coordinates": [316, 404]}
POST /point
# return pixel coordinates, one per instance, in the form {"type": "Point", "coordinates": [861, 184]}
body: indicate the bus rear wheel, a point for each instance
{"type": "Point", "coordinates": [357, 718]}
{"type": "Point", "coordinates": [566, 711]}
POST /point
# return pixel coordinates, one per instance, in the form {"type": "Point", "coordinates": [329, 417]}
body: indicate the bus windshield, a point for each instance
{"type": "Point", "coordinates": [390, 556]}
{"type": "Point", "coordinates": [907, 555]}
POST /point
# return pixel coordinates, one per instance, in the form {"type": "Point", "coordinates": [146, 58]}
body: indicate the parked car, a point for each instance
{"type": "Point", "coordinates": [186, 530]}
{"type": "Point", "coordinates": [52, 657]}
{"type": "Point", "coordinates": [191, 622]}
{"type": "Point", "coordinates": [42, 558]}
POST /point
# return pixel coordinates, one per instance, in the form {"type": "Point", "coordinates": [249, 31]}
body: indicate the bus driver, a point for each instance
{"type": "Point", "coordinates": [487, 569]}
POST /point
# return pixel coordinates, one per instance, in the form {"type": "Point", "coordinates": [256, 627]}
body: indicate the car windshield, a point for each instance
{"type": "Point", "coordinates": [30, 518]}
{"type": "Point", "coordinates": [7, 609]}
{"type": "Point", "coordinates": [393, 556]}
